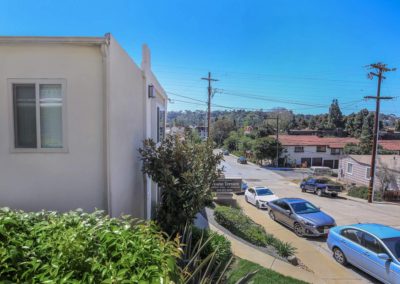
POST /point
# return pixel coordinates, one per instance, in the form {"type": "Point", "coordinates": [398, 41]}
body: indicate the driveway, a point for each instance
{"type": "Point", "coordinates": [344, 211]}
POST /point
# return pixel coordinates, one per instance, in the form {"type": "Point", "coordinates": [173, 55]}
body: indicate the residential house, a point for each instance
{"type": "Point", "coordinates": [311, 150]}
{"type": "Point", "coordinates": [73, 113]}
{"type": "Point", "coordinates": [356, 169]}
{"type": "Point", "coordinates": [391, 145]}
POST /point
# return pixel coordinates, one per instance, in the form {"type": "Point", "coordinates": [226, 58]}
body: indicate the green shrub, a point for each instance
{"type": "Point", "coordinates": [242, 226]}
{"type": "Point", "coordinates": [362, 192]}
{"type": "Point", "coordinates": [77, 247]}
{"type": "Point", "coordinates": [218, 244]}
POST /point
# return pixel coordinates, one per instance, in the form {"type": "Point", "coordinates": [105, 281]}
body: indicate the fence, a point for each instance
{"type": "Point", "coordinates": [392, 195]}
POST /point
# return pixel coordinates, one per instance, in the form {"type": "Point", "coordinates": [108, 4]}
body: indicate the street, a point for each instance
{"type": "Point", "coordinates": [345, 211]}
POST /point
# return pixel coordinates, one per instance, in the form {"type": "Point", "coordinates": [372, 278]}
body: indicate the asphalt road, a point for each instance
{"type": "Point", "coordinates": [345, 211]}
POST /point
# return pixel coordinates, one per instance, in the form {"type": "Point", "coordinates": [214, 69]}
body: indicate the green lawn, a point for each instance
{"type": "Point", "coordinates": [264, 276]}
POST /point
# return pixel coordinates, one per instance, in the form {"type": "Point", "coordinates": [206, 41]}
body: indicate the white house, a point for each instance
{"type": "Point", "coordinates": [73, 113]}
{"type": "Point", "coordinates": [311, 150]}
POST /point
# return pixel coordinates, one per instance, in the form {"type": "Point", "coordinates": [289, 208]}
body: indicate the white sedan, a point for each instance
{"type": "Point", "coordinates": [259, 196]}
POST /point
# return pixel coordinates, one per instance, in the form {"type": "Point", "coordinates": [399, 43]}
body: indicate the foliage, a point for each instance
{"type": "Point", "coordinates": [184, 173]}
{"type": "Point", "coordinates": [367, 134]}
{"type": "Point", "coordinates": [242, 267]}
{"type": "Point", "coordinates": [335, 115]}
{"type": "Point", "coordinates": [386, 176]}
{"type": "Point", "coordinates": [352, 149]}
{"type": "Point", "coordinates": [362, 192]}
{"type": "Point", "coordinates": [266, 148]}
{"type": "Point", "coordinates": [232, 142]}
{"type": "Point", "coordinates": [242, 226]}
{"type": "Point", "coordinates": [202, 262]}
{"type": "Point", "coordinates": [77, 247]}
{"type": "Point", "coordinates": [397, 125]}
{"type": "Point", "coordinates": [221, 129]}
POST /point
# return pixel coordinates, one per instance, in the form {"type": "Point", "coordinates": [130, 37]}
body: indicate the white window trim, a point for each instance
{"type": "Point", "coordinates": [37, 81]}
{"type": "Point", "coordinates": [160, 107]}
{"type": "Point", "coordinates": [368, 177]}
{"type": "Point", "coordinates": [347, 168]}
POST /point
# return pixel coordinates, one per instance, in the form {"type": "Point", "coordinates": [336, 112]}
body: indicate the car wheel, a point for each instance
{"type": "Point", "coordinates": [271, 215]}
{"type": "Point", "coordinates": [303, 189]}
{"type": "Point", "coordinates": [334, 195]}
{"type": "Point", "coordinates": [319, 192]}
{"type": "Point", "coordinates": [258, 205]}
{"type": "Point", "coordinates": [298, 229]}
{"type": "Point", "coordinates": [339, 256]}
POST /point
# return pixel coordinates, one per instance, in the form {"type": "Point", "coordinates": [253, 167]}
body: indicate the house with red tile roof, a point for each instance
{"type": "Point", "coordinates": [311, 150]}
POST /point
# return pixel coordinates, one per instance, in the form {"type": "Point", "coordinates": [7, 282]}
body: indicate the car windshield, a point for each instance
{"type": "Point", "coordinates": [304, 208]}
{"type": "Point", "coordinates": [393, 245]}
{"type": "Point", "coordinates": [264, 191]}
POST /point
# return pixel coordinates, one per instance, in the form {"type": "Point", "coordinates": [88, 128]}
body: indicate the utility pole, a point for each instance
{"type": "Point", "coordinates": [277, 138]}
{"type": "Point", "coordinates": [210, 94]}
{"type": "Point", "coordinates": [379, 68]}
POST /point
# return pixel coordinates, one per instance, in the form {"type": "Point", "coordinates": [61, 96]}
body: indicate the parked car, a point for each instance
{"type": "Point", "coordinates": [226, 153]}
{"type": "Point", "coordinates": [373, 248]}
{"type": "Point", "coordinates": [321, 186]}
{"type": "Point", "coordinates": [242, 160]}
{"type": "Point", "coordinates": [302, 216]}
{"type": "Point", "coordinates": [259, 196]}
{"type": "Point", "coordinates": [245, 186]}
{"type": "Point", "coordinates": [320, 171]}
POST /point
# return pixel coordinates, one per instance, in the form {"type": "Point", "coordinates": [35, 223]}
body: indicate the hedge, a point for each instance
{"type": "Point", "coordinates": [362, 192]}
{"type": "Point", "coordinates": [242, 226]}
{"type": "Point", "coordinates": [77, 247]}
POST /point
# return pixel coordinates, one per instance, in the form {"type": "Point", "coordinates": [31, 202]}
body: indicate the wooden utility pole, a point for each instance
{"type": "Point", "coordinates": [379, 68]}
{"type": "Point", "coordinates": [277, 139]}
{"type": "Point", "coordinates": [210, 94]}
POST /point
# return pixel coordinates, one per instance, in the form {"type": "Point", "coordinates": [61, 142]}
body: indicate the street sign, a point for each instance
{"type": "Point", "coordinates": [227, 185]}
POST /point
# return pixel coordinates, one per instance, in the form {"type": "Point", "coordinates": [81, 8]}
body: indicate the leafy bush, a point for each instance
{"type": "Point", "coordinates": [362, 192]}
{"type": "Point", "coordinates": [77, 247]}
{"type": "Point", "coordinates": [242, 226]}
{"type": "Point", "coordinates": [218, 243]}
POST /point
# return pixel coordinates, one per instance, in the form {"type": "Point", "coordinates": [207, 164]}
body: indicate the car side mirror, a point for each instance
{"type": "Point", "coordinates": [288, 212]}
{"type": "Point", "coordinates": [384, 257]}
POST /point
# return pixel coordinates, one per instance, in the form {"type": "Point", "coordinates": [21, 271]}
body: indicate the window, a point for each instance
{"type": "Point", "coordinates": [38, 114]}
{"type": "Point", "coordinates": [350, 168]}
{"type": "Point", "coordinates": [368, 173]}
{"type": "Point", "coordinates": [335, 151]}
{"type": "Point", "coordinates": [299, 149]}
{"type": "Point", "coordinates": [321, 148]}
{"type": "Point", "coordinates": [160, 124]}
{"type": "Point", "coordinates": [353, 235]}
{"type": "Point", "coordinates": [373, 244]}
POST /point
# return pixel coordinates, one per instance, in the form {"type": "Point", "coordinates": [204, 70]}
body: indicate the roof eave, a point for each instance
{"type": "Point", "coordinates": [52, 40]}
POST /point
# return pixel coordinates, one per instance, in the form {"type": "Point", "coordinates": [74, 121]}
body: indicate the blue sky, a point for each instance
{"type": "Point", "coordinates": [298, 54]}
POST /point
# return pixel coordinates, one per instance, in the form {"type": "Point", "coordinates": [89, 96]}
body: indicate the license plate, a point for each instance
{"type": "Point", "coordinates": [326, 231]}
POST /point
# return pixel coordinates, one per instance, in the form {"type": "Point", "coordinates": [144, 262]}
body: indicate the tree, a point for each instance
{"type": "Point", "coordinates": [359, 121]}
{"type": "Point", "coordinates": [265, 149]}
{"type": "Point", "coordinates": [352, 149]}
{"type": "Point", "coordinates": [385, 176]}
{"type": "Point", "coordinates": [367, 134]}
{"type": "Point", "coordinates": [184, 173]}
{"type": "Point", "coordinates": [221, 129]}
{"type": "Point", "coordinates": [232, 142]}
{"type": "Point", "coordinates": [335, 117]}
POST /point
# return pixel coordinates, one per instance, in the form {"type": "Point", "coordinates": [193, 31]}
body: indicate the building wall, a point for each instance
{"type": "Point", "coordinates": [126, 133]}
{"type": "Point", "coordinates": [309, 152]}
{"type": "Point", "coordinates": [56, 181]}
{"type": "Point", "coordinates": [359, 172]}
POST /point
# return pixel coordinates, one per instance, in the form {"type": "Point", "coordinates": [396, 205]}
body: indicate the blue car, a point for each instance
{"type": "Point", "coordinates": [373, 248]}
{"type": "Point", "coordinates": [306, 219]}
{"type": "Point", "coordinates": [321, 186]}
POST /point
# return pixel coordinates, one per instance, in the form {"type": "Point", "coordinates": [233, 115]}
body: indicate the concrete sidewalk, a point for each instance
{"type": "Point", "coordinates": [325, 269]}
{"type": "Point", "coordinates": [247, 252]}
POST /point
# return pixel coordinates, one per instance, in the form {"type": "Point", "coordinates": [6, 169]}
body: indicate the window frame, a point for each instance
{"type": "Point", "coordinates": [300, 149]}
{"type": "Point", "coordinates": [160, 108]}
{"type": "Point", "coordinates": [347, 168]}
{"type": "Point", "coordinates": [37, 82]}
{"type": "Point", "coordinates": [319, 147]}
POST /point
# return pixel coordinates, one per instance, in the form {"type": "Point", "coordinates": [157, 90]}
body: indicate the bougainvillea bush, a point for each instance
{"type": "Point", "coordinates": [78, 247]}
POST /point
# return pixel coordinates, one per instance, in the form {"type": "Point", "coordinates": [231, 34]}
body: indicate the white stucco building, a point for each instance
{"type": "Point", "coordinates": [73, 113]}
